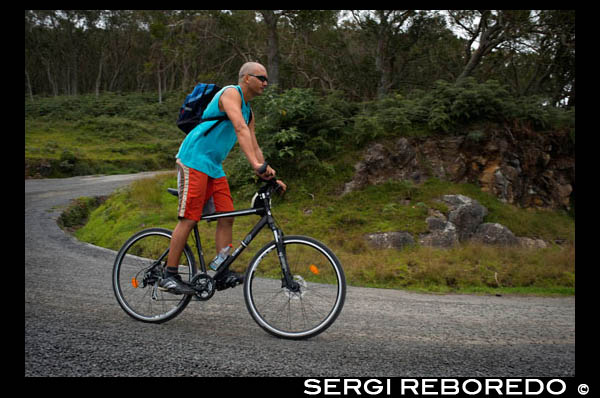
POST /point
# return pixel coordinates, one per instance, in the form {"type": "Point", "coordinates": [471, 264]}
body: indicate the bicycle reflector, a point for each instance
{"type": "Point", "coordinates": [313, 268]}
{"type": "Point", "coordinates": [134, 282]}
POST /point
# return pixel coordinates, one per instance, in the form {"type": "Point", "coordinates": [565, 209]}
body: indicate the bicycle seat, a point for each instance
{"type": "Point", "coordinates": [173, 191]}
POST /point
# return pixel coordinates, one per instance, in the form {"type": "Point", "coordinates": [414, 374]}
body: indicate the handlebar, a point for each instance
{"type": "Point", "coordinates": [269, 185]}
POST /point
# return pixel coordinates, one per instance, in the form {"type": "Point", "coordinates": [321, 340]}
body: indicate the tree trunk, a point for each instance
{"type": "Point", "coordinates": [99, 76]}
{"type": "Point", "coordinates": [490, 38]}
{"type": "Point", "coordinates": [159, 84]}
{"type": "Point", "coordinates": [29, 85]}
{"type": "Point", "coordinates": [273, 45]}
{"type": "Point", "coordinates": [51, 80]}
{"type": "Point", "coordinates": [475, 59]}
{"type": "Point", "coordinates": [74, 87]}
{"type": "Point", "coordinates": [384, 66]}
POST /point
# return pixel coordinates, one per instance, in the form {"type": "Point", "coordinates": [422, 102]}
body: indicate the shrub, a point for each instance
{"type": "Point", "coordinates": [296, 129]}
{"type": "Point", "coordinates": [449, 107]}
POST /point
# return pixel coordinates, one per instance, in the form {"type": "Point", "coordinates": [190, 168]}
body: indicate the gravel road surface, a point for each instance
{"type": "Point", "coordinates": [74, 326]}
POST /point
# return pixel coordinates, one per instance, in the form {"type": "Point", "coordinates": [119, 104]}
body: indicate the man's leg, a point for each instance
{"type": "Point", "coordinates": [219, 190]}
{"type": "Point", "coordinates": [178, 240]}
{"type": "Point", "coordinates": [192, 191]}
{"type": "Point", "coordinates": [224, 233]}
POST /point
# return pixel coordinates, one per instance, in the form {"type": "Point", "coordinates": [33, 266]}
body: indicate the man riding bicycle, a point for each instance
{"type": "Point", "coordinates": [200, 170]}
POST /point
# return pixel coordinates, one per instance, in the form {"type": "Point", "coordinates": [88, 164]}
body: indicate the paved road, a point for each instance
{"type": "Point", "coordinates": [74, 326]}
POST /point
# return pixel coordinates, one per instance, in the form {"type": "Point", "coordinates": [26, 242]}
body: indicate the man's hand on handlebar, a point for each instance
{"type": "Point", "coordinates": [265, 171]}
{"type": "Point", "coordinates": [282, 185]}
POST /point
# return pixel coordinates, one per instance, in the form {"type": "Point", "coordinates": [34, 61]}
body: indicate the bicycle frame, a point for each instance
{"type": "Point", "coordinates": [267, 219]}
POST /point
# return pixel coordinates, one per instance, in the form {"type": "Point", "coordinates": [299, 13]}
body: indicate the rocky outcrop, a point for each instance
{"type": "Point", "coordinates": [390, 240]}
{"type": "Point", "coordinates": [464, 222]}
{"type": "Point", "coordinates": [519, 167]}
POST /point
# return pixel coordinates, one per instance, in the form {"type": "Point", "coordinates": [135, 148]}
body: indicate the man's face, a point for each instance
{"type": "Point", "coordinates": [258, 81]}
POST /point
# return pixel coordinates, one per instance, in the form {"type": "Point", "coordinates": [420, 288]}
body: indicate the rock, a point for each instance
{"type": "Point", "coordinates": [508, 162]}
{"type": "Point", "coordinates": [464, 222]}
{"type": "Point", "coordinates": [466, 215]}
{"type": "Point", "coordinates": [494, 234]}
{"type": "Point", "coordinates": [404, 154]}
{"type": "Point", "coordinates": [455, 201]}
{"type": "Point", "coordinates": [532, 243]}
{"type": "Point", "coordinates": [446, 236]}
{"type": "Point", "coordinates": [380, 164]}
{"type": "Point", "coordinates": [435, 223]}
{"type": "Point", "coordinates": [390, 240]}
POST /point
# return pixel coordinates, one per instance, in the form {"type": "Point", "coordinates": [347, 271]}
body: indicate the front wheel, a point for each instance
{"type": "Point", "coordinates": [307, 311]}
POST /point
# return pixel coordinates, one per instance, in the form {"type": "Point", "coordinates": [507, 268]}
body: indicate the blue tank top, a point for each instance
{"type": "Point", "coordinates": [207, 153]}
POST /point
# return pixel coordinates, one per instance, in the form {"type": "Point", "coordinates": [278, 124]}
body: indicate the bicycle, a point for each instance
{"type": "Point", "coordinates": [294, 286]}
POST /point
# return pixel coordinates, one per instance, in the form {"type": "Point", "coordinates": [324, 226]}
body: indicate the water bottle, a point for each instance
{"type": "Point", "coordinates": [218, 260]}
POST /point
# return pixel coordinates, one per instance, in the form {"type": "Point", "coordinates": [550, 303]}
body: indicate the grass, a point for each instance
{"type": "Point", "coordinates": [125, 133]}
{"type": "Point", "coordinates": [341, 224]}
{"type": "Point", "coordinates": [111, 134]}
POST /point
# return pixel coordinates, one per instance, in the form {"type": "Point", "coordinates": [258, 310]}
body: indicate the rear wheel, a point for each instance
{"type": "Point", "coordinates": [136, 272]}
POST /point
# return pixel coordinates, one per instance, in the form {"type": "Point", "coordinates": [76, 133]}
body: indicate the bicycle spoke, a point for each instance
{"type": "Point", "coordinates": [308, 309]}
{"type": "Point", "coordinates": [137, 271]}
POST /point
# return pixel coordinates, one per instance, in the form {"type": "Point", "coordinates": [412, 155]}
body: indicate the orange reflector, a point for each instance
{"type": "Point", "coordinates": [134, 282]}
{"type": "Point", "coordinates": [313, 268]}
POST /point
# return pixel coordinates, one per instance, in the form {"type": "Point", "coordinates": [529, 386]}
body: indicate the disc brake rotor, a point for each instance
{"type": "Point", "coordinates": [299, 294]}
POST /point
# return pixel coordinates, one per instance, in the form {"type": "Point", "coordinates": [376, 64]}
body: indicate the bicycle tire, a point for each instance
{"type": "Point", "coordinates": [144, 302]}
{"type": "Point", "coordinates": [302, 314]}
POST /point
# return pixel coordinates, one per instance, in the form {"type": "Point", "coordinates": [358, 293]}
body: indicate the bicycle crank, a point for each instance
{"type": "Point", "coordinates": [204, 285]}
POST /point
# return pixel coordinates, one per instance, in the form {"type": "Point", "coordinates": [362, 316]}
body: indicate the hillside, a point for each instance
{"type": "Point", "coordinates": [109, 134]}
{"type": "Point", "coordinates": [317, 144]}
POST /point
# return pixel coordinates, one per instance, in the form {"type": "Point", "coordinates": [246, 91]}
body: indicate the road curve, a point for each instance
{"type": "Point", "coordinates": [74, 326]}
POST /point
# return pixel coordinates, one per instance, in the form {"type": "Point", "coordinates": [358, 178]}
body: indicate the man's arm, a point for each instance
{"type": "Point", "coordinates": [231, 103]}
{"type": "Point", "coordinates": [257, 150]}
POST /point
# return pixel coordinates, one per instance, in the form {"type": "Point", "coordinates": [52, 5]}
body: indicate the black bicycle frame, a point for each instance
{"type": "Point", "coordinates": [267, 219]}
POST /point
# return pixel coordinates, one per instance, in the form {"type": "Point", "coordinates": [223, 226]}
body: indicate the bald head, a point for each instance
{"type": "Point", "coordinates": [251, 67]}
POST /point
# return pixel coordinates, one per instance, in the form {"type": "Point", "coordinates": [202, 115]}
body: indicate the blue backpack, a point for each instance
{"type": "Point", "coordinates": [190, 113]}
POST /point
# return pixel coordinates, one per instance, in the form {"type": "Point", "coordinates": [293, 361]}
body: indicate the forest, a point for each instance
{"type": "Point", "coordinates": [364, 54]}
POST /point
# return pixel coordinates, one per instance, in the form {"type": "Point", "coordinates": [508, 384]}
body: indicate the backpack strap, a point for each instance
{"type": "Point", "coordinates": [222, 118]}
{"type": "Point", "coordinates": [219, 119]}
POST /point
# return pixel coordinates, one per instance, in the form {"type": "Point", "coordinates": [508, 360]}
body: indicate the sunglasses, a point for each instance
{"type": "Point", "coordinates": [261, 78]}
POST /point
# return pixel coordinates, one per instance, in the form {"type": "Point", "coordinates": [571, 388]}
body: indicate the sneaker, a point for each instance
{"type": "Point", "coordinates": [174, 284]}
{"type": "Point", "coordinates": [229, 279]}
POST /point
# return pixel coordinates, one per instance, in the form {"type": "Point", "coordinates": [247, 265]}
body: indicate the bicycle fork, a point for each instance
{"type": "Point", "coordinates": [288, 279]}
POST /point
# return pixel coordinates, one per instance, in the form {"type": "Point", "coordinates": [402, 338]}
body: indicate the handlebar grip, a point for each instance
{"type": "Point", "coordinates": [272, 183]}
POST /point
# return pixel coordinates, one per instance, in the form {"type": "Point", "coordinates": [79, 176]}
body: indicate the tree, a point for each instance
{"type": "Point", "coordinates": [488, 29]}
{"type": "Point", "coordinates": [270, 17]}
{"type": "Point", "coordinates": [385, 26]}
{"type": "Point", "coordinates": [364, 53]}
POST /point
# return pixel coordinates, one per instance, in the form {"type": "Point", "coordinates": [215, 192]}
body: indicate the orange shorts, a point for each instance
{"type": "Point", "coordinates": [195, 191]}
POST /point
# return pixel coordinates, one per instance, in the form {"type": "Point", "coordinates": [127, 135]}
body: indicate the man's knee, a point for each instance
{"type": "Point", "coordinates": [225, 222]}
{"type": "Point", "coordinates": [187, 223]}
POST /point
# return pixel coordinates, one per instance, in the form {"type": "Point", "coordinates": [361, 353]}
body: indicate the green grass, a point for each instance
{"type": "Point", "coordinates": [111, 134]}
{"type": "Point", "coordinates": [342, 222]}
{"type": "Point", "coordinates": [126, 133]}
